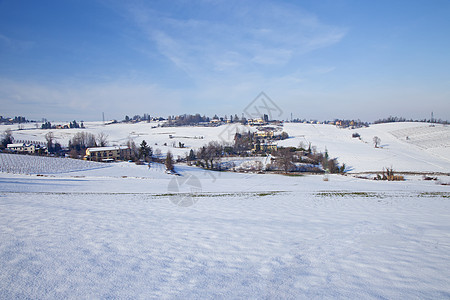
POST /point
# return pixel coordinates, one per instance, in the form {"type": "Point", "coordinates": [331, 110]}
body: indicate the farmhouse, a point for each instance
{"type": "Point", "coordinates": [265, 147]}
{"type": "Point", "coordinates": [265, 134]}
{"type": "Point", "coordinates": [215, 121]}
{"type": "Point", "coordinates": [106, 154]}
{"type": "Point", "coordinates": [27, 148]}
{"type": "Point", "coordinates": [255, 122]}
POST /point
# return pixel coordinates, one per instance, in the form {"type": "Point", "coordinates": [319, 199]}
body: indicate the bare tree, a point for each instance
{"type": "Point", "coordinates": [7, 138]}
{"type": "Point", "coordinates": [133, 149]}
{"type": "Point", "coordinates": [73, 153]}
{"type": "Point", "coordinates": [376, 141]}
{"type": "Point", "coordinates": [202, 154]}
{"type": "Point", "coordinates": [157, 154]}
{"type": "Point", "coordinates": [169, 161]}
{"type": "Point", "coordinates": [82, 140]}
{"type": "Point", "coordinates": [102, 139]}
{"type": "Point", "coordinates": [49, 137]}
{"type": "Point", "coordinates": [210, 154]}
{"type": "Point", "coordinates": [214, 150]}
{"type": "Point", "coordinates": [284, 158]}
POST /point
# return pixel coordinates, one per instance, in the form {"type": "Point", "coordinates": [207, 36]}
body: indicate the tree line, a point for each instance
{"type": "Point", "coordinates": [392, 119]}
{"type": "Point", "coordinates": [74, 124]}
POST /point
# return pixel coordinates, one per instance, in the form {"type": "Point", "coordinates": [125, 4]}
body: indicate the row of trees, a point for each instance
{"type": "Point", "coordinates": [16, 119]}
{"type": "Point", "coordinates": [83, 140]}
{"type": "Point", "coordinates": [145, 152]}
{"type": "Point", "coordinates": [392, 119]}
{"type": "Point", "coordinates": [289, 159]}
{"type": "Point", "coordinates": [189, 120]}
{"type": "Point", "coordinates": [74, 124]}
{"type": "Point", "coordinates": [186, 120]}
{"type": "Point", "coordinates": [137, 118]}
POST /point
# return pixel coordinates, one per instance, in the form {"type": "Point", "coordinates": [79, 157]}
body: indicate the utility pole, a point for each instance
{"type": "Point", "coordinates": [103, 115]}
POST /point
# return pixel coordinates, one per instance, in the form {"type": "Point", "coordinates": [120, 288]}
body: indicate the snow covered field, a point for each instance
{"type": "Point", "coordinates": [120, 232]}
{"type": "Point", "coordinates": [25, 164]}
{"type": "Point", "coordinates": [426, 150]}
{"type": "Point", "coordinates": [126, 231]}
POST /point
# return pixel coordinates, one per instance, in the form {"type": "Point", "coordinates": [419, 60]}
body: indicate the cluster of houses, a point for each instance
{"type": "Point", "coordinates": [101, 154]}
{"type": "Point", "coordinates": [265, 142]}
{"type": "Point", "coordinates": [26, 148]}
{"type": "Point", "coordinates": [251, 122]}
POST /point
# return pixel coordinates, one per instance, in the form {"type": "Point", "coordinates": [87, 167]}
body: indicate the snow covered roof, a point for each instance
{"type": "Point", "coordinates": [15, 145]}
{"type": "Point", "coordinates": [112, 148]}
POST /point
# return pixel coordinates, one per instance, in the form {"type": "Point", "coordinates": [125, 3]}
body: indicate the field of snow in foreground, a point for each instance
{"type": "Point", "coordinates": [95, 234]}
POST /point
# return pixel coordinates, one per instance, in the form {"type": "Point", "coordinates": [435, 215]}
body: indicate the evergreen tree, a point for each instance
{"type": "Point", "coordinates": [144, 150]}
{"type": "Point", "coordinates": [258, 146]}
{"type": "Point", "coordinates": [191, 156]}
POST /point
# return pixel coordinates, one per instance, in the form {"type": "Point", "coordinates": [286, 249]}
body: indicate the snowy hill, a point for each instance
{"type": "Point", "coordinates": [426, 150]}
{"type": "Point", "coordinates": [414, 147]}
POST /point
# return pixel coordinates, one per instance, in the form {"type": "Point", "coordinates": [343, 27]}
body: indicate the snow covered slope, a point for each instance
{"type": "Point", "coordinates": [421, 152]}
{"type": "Point", "coordinates": [415, 147]}
{"type": "Point", "coordinates": [27, 164]}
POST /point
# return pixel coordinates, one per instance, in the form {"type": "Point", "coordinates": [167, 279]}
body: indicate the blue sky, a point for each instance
{"type": "Point", "coordinates": [75, 59]}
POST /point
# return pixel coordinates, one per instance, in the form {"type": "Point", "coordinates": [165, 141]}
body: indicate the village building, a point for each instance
{"type": "Point", "coordinates": [265, 147]}
{"type": "Point", "coordinates": [265, 134]}
{"type": "Point", "coordinates": [255, 122]}
{"type": "Point", "coordinates": [107, 154]}
{"type": "Point", "coordinates": [22, 148]}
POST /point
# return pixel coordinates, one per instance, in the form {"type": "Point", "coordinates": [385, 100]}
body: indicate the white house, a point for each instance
{"type": "Point", "coordinates": [108, 153]}
{"type": "Point", "coordinates": [28, 148]}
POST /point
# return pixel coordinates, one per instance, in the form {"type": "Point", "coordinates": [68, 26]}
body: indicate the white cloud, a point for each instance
{"type": "Point", "coordinates": [272, 56]}
{"type": "Point", "coordinates": [230, 52]}
{"type": "Point", "coordinates": [256, 34]}
{"type": "Point", "coordinates": [55, 101]}
{"type": "Point", "coordinates": [14, 44]}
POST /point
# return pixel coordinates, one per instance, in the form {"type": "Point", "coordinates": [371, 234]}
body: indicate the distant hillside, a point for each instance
{"type": "Point", "coordinates": [404, 146]}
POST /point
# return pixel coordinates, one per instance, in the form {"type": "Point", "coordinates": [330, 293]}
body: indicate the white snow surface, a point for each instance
{"type": "Point", "coordinates": [77, 229]}
{"type": "Point", "coordinates": [27, 164]}
{"type": "Point", "coordinates": [426, 150]}
{"type": "Point", "coordinates": [127, 231]}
